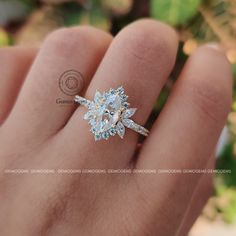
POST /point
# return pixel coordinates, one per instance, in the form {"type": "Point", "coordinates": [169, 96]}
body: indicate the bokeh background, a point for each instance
{"type": "Point", "coordinates": [26, 22]}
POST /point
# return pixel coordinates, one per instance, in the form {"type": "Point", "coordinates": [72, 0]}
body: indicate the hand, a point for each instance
{"type": "Point", "coordinates": [38, 133]}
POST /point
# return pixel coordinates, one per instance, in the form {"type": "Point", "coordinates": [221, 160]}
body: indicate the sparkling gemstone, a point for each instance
{"type": "Point", "coordinates": [108, 114]}
{"type": "Point", "coordinates": [97, 137]}
{"type": "Point", "coordinates": [92, 122]}
{"type": "Point", "coordinates": [93, 130]}
{"type": "Point", "coordinates": [124, 97]}
{"type": "Point", "coordinates": [115, 117]}
{"type": "Point", "coordinates": [88, 115]}
{"type": "Point", "coordinates": [126, 104]}
{"type": "Point", "coordinates": [120, 129]}
{"type": "Point", "coordinates": [97, 96]}
{"type": "Point", "coordinates": [108, 124]}
{"type": "Point", "coordinates": [105, 135]}
{"type": "Point", "coordinates": [120, 89]}
{"type": "Point", "coordinates": [129, 112]}
{"type": "Point", "coordinates": [117, 103]}
{"type": "Point", "coordinates": [128, 123]}
{"type": "Point", "coordinates": [112, 131]}
{"type": "Point", "coordinates": [101, 110]}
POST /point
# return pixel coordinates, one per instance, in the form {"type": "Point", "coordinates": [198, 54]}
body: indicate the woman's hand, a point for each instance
{"type": "Point", "coordinates": [38, 133]}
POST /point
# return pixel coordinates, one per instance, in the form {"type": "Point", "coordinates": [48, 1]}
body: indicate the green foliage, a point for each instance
{"type": "Point", "coordinates": [71, 13]}
{"type": "Point", "coordinates": [4, 38]}
{"type": "Point", "coordinates": [96, 18]}
{"type": "Point", "coordinates": [226, 203]}
{"type": "Point", "coordinates": [227, 162]}
{"type": "Point", "coordinates": [225, 186]}
{"type": "Point", "coordinates": [234, 70]}
{"type": "Point", "coordinates": [75, 14]}
{"type": "Point", "coordinates": [214, 23]}
{"type": "Point", "coordinates": [174, 12]}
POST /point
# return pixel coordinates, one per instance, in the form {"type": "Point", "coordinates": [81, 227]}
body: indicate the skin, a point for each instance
{"type": "Point", "coordinates": [37, 133]}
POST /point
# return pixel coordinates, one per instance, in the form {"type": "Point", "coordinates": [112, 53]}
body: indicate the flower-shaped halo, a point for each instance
{"type": "Point", "coordinates": [109, 114]}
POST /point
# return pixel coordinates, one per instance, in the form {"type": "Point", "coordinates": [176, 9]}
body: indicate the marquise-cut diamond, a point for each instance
{"type": "Point", "coordinates": [129, 112]}
{"type": "Point", "coordinates": [120, 129]}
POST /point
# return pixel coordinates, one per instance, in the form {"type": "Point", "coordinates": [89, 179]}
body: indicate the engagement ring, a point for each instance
{"type": "Point", "coordinates": [109, 114]}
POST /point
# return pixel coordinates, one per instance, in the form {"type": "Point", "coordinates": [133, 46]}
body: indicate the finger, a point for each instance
{"type": "Point", "coordinates": [187, 129]}
{"type": "Point", "coordinates": [202, 193]}
{"type": "Point", "coordinates": [14, 65]}
{"type": "Point", "coordinates": [79, 49]}
{"type": "Point", "coordinates": [139, 59]}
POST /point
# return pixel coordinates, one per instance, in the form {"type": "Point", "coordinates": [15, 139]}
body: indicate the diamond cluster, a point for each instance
{"type": "Point", "coordinates": [109, 113]}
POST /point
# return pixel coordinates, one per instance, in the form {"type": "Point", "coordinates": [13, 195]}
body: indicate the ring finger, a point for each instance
{"type": "Point", "coordinates": [139, 59]}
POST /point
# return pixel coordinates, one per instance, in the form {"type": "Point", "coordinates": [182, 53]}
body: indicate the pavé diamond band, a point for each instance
{"type": "Point", "coordinates": [109, 114]}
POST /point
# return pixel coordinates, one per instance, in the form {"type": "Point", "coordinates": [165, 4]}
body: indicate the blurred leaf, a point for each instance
{"type": "Point", "coordinates": [95, 17]}
{"type": "Point", "coordinates": [38, 26]}
{"type": "Point", "coordinates": [117, 7]}
{"type": "Point", "coordinates": [226, 203]}
{"type": "Point", "coordinates": [162, 98]}
{"type": "Point", "coordinates": [227, 162]}
{"type": "Point", "coordinates": [234, 106]}
{"type": "Point", "coordinates": [4, 39]}
{"type": "Point", "coordinates": [234, 70]}
{"type": "Point", "coordinates": [71, 13]}
{"type": "Point", "coordinates": [75, 14]}
{"type": "Point", "coordinates": [220, 25]}
{"type": "Point", "coordinates": [215, 22]}
{"type": "Point", "coordinates": [174, 12]}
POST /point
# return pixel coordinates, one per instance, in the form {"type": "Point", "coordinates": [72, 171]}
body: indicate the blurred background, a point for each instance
{"type": "Point", "coordinates": [26, 22]}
